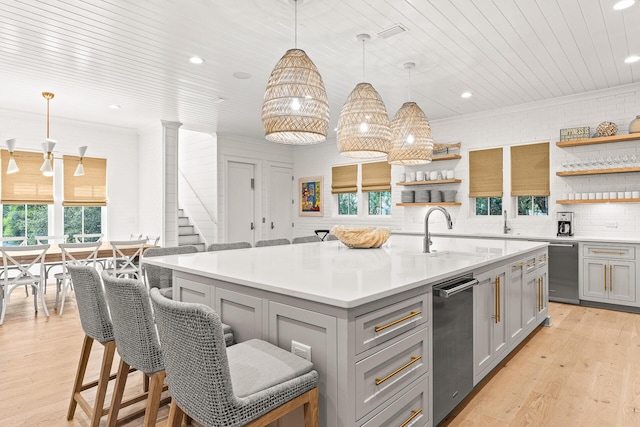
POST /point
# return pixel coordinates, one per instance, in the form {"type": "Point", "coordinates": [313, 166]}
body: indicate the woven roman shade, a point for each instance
{"type": "Point", "coordinates": [485, 173]}
{"type": "Point", "coordinates": [376, 176]}
{"type": "Point", "coordinates": [344, 179]}
{"type": "Point", "coordinates": [28, 185]}
{"type": "Point", "coordinates": [530, 170]}
{"type": "Point", "coordinates": [89, 189]}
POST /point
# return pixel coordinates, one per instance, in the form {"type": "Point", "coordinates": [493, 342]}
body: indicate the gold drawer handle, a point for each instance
{"type": "Point", "coordinates": [414, 359]}
{"type": "Point", "coordinates": [519, 265]}
{"type": "Point", "coordinates": [595, 251]}
{"type": "Point", "coordinates": [395, 322]}
{"type": "Point", "coordinates": [413, 415]}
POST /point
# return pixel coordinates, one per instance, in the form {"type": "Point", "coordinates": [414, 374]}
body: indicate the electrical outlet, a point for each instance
{"type": "Point", "coordinates": [301, 350]}
{"type": "Point", "coordinates": [612, 224]}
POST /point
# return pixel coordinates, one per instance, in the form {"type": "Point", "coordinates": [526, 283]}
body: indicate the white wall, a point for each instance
{"type": "Point", "coordinates": [198, 181]}
{"type": "Point", "coordinates": [260, 152]}
{"type": "Point", "coordinates": [151, 170]}
{"type": "Point", "coordinates": [524, 124]}
{"type": "Point", "coordinates": [118, 145]}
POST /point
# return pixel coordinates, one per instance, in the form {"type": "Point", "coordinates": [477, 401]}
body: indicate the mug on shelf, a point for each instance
{"type": "Point", "coordinates": [577, 196]}
{"type": "Point", "coordinates": [433, 175]}
{"type": "Point", "coordinates": [572, 196]}
{"type": "Point", "coordinates": [627, 194]}
{"type": "Point", "coordinates": [598, 196]}
{"type": "Point", "coordinates": [613, 195]}
{"type": "Point", "coordinates": [451, 174]}
{"type": "Point", "coordinates": [419, 176]}
{"type": "Point", "coordinates": [635, 194]}
{"type": "Point", "coordinates": [592, 196]}
{"type": "Point", "coordinates": [620, 194]}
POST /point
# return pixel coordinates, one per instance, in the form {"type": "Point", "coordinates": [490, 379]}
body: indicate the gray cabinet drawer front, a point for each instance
{"type": "Point", "coordinates": [412, 409]}
{"type": "Point", "coordinates": [609, 251]}
{"type": "Point", "coordinates": [389, 321]}
{"type": "Point", "coordinates": [388, 372]}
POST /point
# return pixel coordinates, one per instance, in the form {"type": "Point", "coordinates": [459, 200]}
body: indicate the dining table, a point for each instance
{"type": "Point", "coordinates": [54, 253]}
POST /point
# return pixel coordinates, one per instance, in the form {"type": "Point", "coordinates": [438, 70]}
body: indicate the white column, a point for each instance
{"type": "Point", "coordinates": [170, 185]}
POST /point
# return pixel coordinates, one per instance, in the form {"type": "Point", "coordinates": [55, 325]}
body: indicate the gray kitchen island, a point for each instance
{"type": "Point", "coordinates": [364, 316]}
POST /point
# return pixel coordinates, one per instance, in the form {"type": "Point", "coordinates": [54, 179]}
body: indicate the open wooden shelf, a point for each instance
{"type": "Point", "coordinates": [440, 181]}
{"type": "Point", "coordinates": [581, 202]}
{"type": "Point", "coordinates": [598, 171]}
{"type": "Point", "coordinates": [453, 156]}
{"type": "Point", "coordinates": [429, 204]}
{"type": "Point", "coordinates": [600, 140]}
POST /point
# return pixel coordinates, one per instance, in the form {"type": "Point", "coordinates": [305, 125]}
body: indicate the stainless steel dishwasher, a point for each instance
{"type": "Point", "coordinates": [452, 344]}
{"type": "Point", "coordinates": [563, 272]}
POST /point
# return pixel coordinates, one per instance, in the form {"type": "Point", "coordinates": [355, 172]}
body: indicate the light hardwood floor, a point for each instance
{"type": "Point", "coordinates": [582, 371]}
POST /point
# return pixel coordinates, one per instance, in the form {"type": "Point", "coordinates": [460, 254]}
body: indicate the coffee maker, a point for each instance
{"type": "Point", "coordinates": [565, 224]}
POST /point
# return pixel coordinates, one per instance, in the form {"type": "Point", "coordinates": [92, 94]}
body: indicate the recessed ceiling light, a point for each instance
{"type": "Point", "coordinates": [196, 60]}
{"type": "Point", "coordinates": [631, 59]}
{"type": "Point", "coordinates": [623, 4]}
{"type": "Point", "coordinates": [465, 95]}
{"type": "Point", "coordinates": [242, 75]}
{"type": "Point", "coordinates": [114, 106]}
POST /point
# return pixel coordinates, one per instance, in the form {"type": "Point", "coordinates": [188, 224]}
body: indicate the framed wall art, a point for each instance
{"type": "Point", "coordinates": [310, 193]}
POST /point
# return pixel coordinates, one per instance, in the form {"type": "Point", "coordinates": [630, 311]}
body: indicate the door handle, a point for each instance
{"type": "Point", "coordinates": [611, 278]}
{"type": "Point", "coordinates": [253, 227]}
{"type": "Point", "coordinates": [272, 226]}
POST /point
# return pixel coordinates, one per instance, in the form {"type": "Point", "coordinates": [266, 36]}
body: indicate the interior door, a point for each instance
{"type": "Point", "coordinates": [240, 202]}
{"type": "Point", "coordinates": [280, 202]}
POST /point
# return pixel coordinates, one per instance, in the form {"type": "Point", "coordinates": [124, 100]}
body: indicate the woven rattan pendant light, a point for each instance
{"type": "Point", "coordinates": [363, 126]}
{"type": "Point", "coordinates": [411, 141]}
{"type": "Point", "coordinates": [295, 108]}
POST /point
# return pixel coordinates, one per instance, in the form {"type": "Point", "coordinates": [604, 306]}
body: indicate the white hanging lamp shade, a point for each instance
{"type": "Point", "coordinates": [411, 141]}
{"type": "Point", "coordinates": [295, 108]}
{"type": "Point", "coordinates": [12, 166]}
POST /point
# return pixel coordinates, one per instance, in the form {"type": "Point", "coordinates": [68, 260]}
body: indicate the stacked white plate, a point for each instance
{"type": "Point", "coordinates": [407, 196]}
{"type": "Point", "coordinates": [423, 196]}
{"type": "Point", "coordinates": [449, 195]}
{"type": "Point", "coordinates": [436, 196]}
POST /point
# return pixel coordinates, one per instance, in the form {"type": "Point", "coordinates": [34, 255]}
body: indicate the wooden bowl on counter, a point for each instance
{"type": "Point", "coordinates": [361, 237]}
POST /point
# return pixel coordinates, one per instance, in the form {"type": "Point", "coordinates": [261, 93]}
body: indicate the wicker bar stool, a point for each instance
{"type": "Point", "coordinates": [306, 239]}
{"type": "Point", "coordinates": [94, 317]}
{"type": "Point", "coordinates": [137, 343]}
{"type": "Point", "coordinates": [228, 246]}
{"type": "Point", "coordinates": [210, 382]}
{"type": "Point", "coordinates": [272, 242]}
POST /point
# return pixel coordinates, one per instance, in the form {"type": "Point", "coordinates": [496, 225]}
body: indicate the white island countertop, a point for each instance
{"type": "Point", "coordinates": [330, 273]}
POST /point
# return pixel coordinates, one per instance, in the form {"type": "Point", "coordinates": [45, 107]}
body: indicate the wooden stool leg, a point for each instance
{"type": "Point", "coordinates": [82, 369]}
{"type": "Point", "coordinates": [311, 409]}
{"type": "Point", "coordinates": [175, 415]}
{"type": "Point", "coordinates": [153, 399]}
{"type": "Point", "coordinates": [103, 382]}
{"type": "Point", "coordinates": [118, 392]}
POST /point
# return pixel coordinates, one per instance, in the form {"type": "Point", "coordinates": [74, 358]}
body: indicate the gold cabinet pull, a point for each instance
{"type": "Point", "coordinates": [395, 322]}
{"type": "Point", "coordinates": [414, 414]}
{"type": "Point", "coordinates": [540, 294]}
{"type": "Point", "coordinates": [414, 359]}
{"type": "Point", "coordinates": [610, 278]}
{"type": "Point", "coordinates": [596, 251]}
{"type": "Point", "coordinates": [498, 293]}
{"type": "Point", "coordinates": [604, 267]}
{"type": "Point", "coordinates": [522, 264]}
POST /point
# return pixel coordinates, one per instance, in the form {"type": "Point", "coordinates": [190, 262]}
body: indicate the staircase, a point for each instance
{"type": "Point", "coordinates": [187, 235]}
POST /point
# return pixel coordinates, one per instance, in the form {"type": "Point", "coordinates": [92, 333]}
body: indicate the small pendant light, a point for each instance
{"type": "Point", "coordinates": [295, 108]}
{"type": "Point", "coordinates": [363, 126]}
{"type": "Point", "coordinates": [411, 141]}
{"type": "Point", "coordinates": [49, 144]}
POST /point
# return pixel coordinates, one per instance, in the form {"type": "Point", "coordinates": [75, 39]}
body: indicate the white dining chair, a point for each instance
{"type": "Point", "coordinates": [83, 238]}
{"type": "Point", "coordinates": [13, 241]}
{"type": "Point", "coordinates": [126, 265]}
{"type": "Point", "coordinates": [44, 240]}
{"type": "Point", "coordinates": [85, 254]}
{"type": "Point", "coordinates": [16, 273]}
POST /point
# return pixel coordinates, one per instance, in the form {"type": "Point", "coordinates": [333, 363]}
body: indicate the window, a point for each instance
{"type": "Point", "coordinates": [376, 182]}
{"type": "Point", "coordinates": [485, 181]}
{"type": "Point", "coordinates": [348, 204]}
{"type": "Point", "coordinates": [488, 205]}
{"type": "Point", "coordinates": [82, 220]}
{"type": "Point", "coordinates": [533, 205]}
{"type": "Point", "coordinates": [380, 203]}
{"type": "Point", "coordinates": [25, 220]}
{"type": "Point", "coordinates": [530, 178]}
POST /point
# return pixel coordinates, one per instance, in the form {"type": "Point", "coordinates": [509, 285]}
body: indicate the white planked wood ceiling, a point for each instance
{"type": "Point", "coordinates": [93, 53]}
